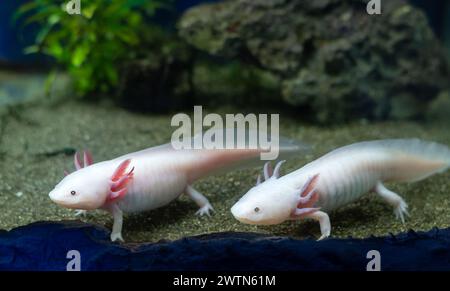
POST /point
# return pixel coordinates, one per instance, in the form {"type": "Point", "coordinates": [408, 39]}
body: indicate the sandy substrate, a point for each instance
{"type": "Point", "coordinates": [36, 146]}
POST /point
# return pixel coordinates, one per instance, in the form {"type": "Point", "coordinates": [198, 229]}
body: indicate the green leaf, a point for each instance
{"type": "Point", "coordinates": [79, 55]}
{"type": "Point", "coordinates": [89, 10]}
{"type": "Point", "coordinates": [43, 34]}
{"type": "Point", "coordinates": [43, 13]}
{"type": "Point", "coordinates": [56, 50]}
{"type": "Point", "coordinates": [128, 37]}
{"type": "Point", "coordinates": [152, 6]}
{"type": "Point", "coordinates": [92, 47]}
{"type": "Point", "coordinates": [53, 19]}
{"type": "Point", "coordinates": [38, 18]}
{"type": "Point", "coordinates": [134, 19]}
{"type": "Point", "coordinates": [111, 74]}
{"type": "Point", "coordinates": [27, 7]}
{"type": "Point", "coordinates": [32, 49]}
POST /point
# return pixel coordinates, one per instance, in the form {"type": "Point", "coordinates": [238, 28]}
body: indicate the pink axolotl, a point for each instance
{"type": "Point", "coordinates": [147, 179]}
{"type": "Point", "coordinates": [338, 178]}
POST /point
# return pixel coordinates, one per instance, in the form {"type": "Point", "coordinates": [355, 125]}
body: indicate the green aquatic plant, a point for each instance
{"type": "Point", "coordinates": [92, 45]}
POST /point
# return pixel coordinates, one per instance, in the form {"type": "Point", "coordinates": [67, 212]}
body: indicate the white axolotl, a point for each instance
{"type": "Point", "coordinates": [148, 179]}
{"type": "Point", "coordinates": [338, 178]}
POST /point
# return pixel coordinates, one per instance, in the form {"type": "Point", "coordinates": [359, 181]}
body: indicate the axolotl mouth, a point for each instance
{"type": "Point", "coordinates": [245, 215]}
{"type": "Point", "coordinates": [71, 204]}
{"type": "Point", "coordinates": [54, 197]}
{"type": "Point", "coordinates": [60, 201]}
{"type": "Point", "coordinates": [239, 214]}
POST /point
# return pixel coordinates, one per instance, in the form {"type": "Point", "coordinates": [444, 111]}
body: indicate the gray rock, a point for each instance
{"type": "Point", "coordinates": [334, 60]}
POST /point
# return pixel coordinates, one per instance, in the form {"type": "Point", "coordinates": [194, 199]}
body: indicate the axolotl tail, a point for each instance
{"type": "Point", "coordinates": [414, 159]}
{"type": "Point", "coordinates": [214, 161]}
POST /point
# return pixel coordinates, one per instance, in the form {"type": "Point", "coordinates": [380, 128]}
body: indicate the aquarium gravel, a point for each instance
{"type": "Point", "coordinates": [37, 144]}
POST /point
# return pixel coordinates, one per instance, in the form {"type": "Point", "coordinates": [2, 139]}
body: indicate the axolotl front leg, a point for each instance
{"type": "Point", "coordinates": [116, 233]}
{"type": "Point", "coordinates": [305, 207]}
{"type": "Point", "coordinates": [118, 188]}
{"type": "Point", "coordinates": [116, 212]}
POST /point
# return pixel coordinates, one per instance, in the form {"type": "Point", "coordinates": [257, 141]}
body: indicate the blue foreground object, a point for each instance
{"type": "Point", "coordinates": [44, 246]}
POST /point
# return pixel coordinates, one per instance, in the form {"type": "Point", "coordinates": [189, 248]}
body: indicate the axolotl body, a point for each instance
{"type": "Point", "coordinates": [339, 178]}
{"type": "Point", "coordinates": [148, 179]}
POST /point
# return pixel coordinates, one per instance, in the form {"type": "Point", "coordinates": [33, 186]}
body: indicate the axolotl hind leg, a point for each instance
{"type": "Point", "coordinates": [393, 199]}
{"type": "Point", "coordinates": [200, 200]}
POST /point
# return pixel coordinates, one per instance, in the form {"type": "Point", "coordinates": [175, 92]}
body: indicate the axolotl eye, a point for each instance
{"type": "Point", "coordinates": [73, 193]}
{"type": "Point", "coordinates": [257, 209]}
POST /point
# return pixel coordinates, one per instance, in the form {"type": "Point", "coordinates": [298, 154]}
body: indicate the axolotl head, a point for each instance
{"type": "Point", "coordinates": [274, 201]}
{"type": "Point", "coordinates": [266, 203]}
{"type": "Point", "coordinates": [82, 189]}
{"type": "Point", "coordinates": [91, 187]}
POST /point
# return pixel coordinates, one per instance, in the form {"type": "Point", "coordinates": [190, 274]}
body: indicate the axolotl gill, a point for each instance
{"type": "Point", "coordinates": [150, 178]}
{"type": "Point", "coordinates": [339, 178]}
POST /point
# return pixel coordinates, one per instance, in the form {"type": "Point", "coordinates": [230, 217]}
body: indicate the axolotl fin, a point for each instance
{"type": "Point", "coordinates": [119, 181]}
{"type": "Point", "coordinates": [407, 160]}
{"type": "Point", "coordinates": [307, 195]}
{"type": "Point", "coordinates": [217, 161]}
{"type": "Point", "coordinates": [87, 161]}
